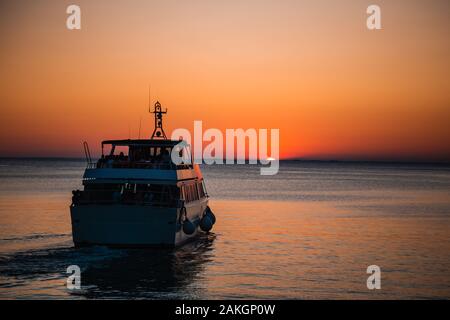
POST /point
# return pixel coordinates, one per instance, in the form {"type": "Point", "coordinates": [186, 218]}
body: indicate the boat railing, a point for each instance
{"type": "Point", "coordinates": [160, 199]}
{"type": "Point", "coordinates": [89, 163]}
{"type": "Point", "coordinates": [125, 164]}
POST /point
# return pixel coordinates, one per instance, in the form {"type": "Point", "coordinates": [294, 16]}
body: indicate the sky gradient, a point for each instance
{"type": "Point", "coordinates": [310, 68]}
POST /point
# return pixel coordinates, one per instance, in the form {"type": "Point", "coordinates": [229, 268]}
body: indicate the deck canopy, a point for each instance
{"type": "Point", "coordinates": [145, 143]}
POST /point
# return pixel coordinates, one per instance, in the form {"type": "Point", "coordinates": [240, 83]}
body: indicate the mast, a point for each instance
{"type": "Point", "coordinates": [158, 132]}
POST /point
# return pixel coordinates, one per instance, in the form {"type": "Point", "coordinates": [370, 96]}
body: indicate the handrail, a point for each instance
{"type": "Point", "coordinates": [87, 154]}
{"type": "Point", "coordinates": [125, 164]}
{"type": "Point", "coordinates": [108, 196]}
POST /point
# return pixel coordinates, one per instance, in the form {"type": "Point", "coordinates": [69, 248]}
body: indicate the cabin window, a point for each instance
{"type": "Point", "coordinates": [131, 193]}
{"type": "Point", "coordinates": [160, 193]}
{"type": "Point", "coordinates": [201, 190]}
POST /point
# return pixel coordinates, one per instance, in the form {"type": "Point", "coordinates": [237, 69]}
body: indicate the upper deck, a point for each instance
{"type": "Point", "coordinates": [143, 154]}
{"type": "Point", "coordinates": [143, 142]}
{"type": "Point", "coordinates": [142, 160]}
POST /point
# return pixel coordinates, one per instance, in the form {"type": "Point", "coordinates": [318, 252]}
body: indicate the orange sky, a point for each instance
{"type": "Point", "coordinates": [310, 68]}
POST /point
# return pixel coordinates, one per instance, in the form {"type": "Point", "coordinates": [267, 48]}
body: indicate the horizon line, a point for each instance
{"type": "Point", "coordinates": [400, 161]}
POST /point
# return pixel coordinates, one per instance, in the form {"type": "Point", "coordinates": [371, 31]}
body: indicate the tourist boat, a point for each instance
{"type": "Point", "coordinates": [135, 195]}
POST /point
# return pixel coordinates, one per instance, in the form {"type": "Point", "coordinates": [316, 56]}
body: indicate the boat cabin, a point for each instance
{"type": "Point", "coordinates": [143, 154]}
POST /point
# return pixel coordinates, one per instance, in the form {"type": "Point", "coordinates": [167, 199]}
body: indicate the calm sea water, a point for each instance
{"type": "Point", "coordinates": [309, 232]}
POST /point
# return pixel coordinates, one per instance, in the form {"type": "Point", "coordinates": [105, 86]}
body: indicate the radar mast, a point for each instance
{"type": "Point", "coordinates": [158, 132]}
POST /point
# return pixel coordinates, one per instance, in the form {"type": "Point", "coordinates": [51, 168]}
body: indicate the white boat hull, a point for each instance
{"type": "Point", "coordinates": [132, 225]}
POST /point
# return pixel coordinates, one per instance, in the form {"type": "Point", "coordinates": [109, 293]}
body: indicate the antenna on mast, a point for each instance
{"type": "Point", "coordinates": [149, 97]}
{"type": "Point", "coordinates": [158, 133]}
{"type": "Point", "coordinates": [140, 124]}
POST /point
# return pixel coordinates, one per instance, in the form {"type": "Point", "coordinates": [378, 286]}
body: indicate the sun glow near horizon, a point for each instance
{"type": "Point", "coordinates": [310, 68]}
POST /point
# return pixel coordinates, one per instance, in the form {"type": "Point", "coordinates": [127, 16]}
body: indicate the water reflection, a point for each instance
{"type": "Point", "coordinates": [308, 233]}
{"type": "Point", "coordinates": [149, 273]}
{"type": "Point", "coordinates": [110, 273]}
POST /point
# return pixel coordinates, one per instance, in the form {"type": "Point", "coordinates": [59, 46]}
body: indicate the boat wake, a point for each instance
{"type": "Point", "coordinates": [108, 272]}
{"type": "Point", "coordinates": [36, 237]}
